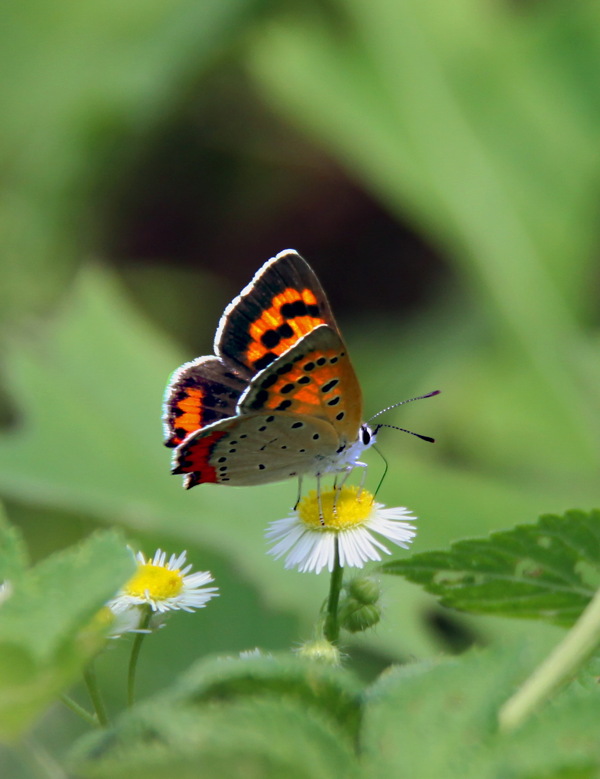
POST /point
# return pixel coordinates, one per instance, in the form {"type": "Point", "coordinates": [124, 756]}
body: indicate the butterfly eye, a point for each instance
{"type": "Point", "coordinates": [365, 435]}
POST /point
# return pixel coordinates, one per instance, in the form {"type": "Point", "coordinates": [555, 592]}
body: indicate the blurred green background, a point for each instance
{"type": "Point", "coordinates": [438, 165]}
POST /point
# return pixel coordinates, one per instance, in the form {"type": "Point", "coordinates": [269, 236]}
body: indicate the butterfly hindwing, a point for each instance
{"type": "Point", "coordinates": [256, 448]}
{"type": "Point", "coordinates": [283, 303]}
{"type": "Point", "coordinates": [201, 392]}
{"type": "Point", "coordinates": [314, 378]}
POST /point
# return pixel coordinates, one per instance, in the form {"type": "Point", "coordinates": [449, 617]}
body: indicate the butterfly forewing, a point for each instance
{"type": "Point", "coordinates": [283, 303]}
{"type": "Point", "coordinates": [314, 378]}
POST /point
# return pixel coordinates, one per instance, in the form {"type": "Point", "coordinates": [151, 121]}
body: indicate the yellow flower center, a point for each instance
{"type": "Point", "coordinates": [157, 581]}
{"type": "Point", "coordinates": [342, 509]}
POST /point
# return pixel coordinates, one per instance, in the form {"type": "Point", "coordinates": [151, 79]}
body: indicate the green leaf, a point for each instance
{"type": "Point", "coordinates": [332, 691]}
{"type": "Point", "coordinates": [47, 633]}
{"type": "Point", "coordinates": [13, 554]}
{"type": "Point", "coordinates": [456, 700]}
{"type": "Point", "coordinates": [441, 720]}
{"type": "Point", "coordinates": [264, 716]}
{"type": "Point", "coordinates": [420, 720]}
{"type": "Point", "coordinates": [261, 738]}
{"type": "Point", "coordinates": [547, 571]}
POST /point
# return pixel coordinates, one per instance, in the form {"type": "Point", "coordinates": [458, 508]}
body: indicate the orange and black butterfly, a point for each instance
{"type": "Point", "coordinates": [279, 398]}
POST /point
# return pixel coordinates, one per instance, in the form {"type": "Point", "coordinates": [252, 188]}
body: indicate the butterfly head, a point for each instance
{"type": "Point", "coordinates": [367, 434]}
{"type": "Point", "coordinates": [351, 455]}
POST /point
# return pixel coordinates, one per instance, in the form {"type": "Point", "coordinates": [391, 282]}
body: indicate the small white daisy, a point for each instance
{"type": "Point", "coordinates": [128, 619]}
{"type": "Point", "coordinates": [164, 586]}
{"type": "Point", "coordinates": [310, 545]}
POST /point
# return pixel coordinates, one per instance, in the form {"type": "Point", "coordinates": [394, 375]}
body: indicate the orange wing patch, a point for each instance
{"type": "Point", "coordinates": [188, 414]}
{"type": "Point", "coordinates": [201, 392]}
{"type": "Point", "coordinates": [292, 315]}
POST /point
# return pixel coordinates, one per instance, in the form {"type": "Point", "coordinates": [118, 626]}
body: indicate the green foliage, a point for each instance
{"type": "Point", "coordinates": [47, 632]}
{"type": "Point", "coordinates": [271, 715]}
{"type": "Point", "coordinates": [455, 703]}
{"type": "Point", "coordinates": [88, 84]}
{"type": "Point", "coordinates": [334, 692]}
{"type": "Point", "coordinates": [252, 721]}
{"type": "Point", "coordinates": [546, 571]}
{"type": "Point", "coordinates": [258, 737]}
{"type": "Point", "coordinates": [13, 554]}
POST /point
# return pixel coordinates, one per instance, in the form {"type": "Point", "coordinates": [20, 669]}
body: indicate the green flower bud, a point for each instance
{"type": "Point", "coordinates": [364, 589]}
{"type": "Point", "coordinates": [322, 651]}
{"type": "Point", "coordinates": [356, 617]}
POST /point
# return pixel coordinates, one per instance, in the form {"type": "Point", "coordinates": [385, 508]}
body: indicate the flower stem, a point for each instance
{"type": "Point", "coordinates": [566, 658]}
{"type": "Point", "coordinates": [79, 710]}
{"type": "Point", "coordinates": [331, 629]}
{"type": "Point", "coordinates": [91, 682]}
{"type": "Point", "coordinates": [135, 652]}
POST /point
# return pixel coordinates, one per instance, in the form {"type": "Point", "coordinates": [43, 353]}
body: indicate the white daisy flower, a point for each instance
{"type": "Point", "coordinates": [128, 619]}
{"type": "Point", "coordinates": [164, 586]}
{"type": "Point", "coordinates": [309, 540]}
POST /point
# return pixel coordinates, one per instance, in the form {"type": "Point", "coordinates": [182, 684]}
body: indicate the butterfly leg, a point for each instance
{"type": "Point", "coordinates": [319, 500]}
{"type": "Point", "coordinates": [363, 478]}
{"type": "Point", "coordinates": [299, 493]}
{"type": "Point", "coordinates": [338, 487]}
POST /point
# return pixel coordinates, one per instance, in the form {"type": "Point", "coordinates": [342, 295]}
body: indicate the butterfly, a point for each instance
{"type": "Point", "coordinates": [279, 398]}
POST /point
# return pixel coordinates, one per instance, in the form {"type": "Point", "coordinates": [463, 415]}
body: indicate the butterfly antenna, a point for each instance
{"type": "Point", "coordinates": [384, 474]}
{"type": "Point", "coordinates": [404, 430]}
{"type": "Point", "coordinates": [401, 403]}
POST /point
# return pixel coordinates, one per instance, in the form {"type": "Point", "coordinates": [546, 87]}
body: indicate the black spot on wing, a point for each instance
{"type": "Point", "coordinates": [260, 399]}
{"type": "Point", "coordinates": [264, 361]}
{"type": "Point", "coordinates": [330, 385]}
{"type": "Point", "coordinates": [268, 381]}
{"type": "Point", "coordinates": [299, 308]}
{"type": "Point", "coordinates": [272, 338]}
